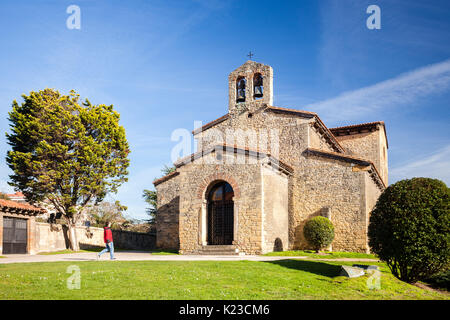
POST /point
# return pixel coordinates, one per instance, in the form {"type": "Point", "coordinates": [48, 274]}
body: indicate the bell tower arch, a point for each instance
{"type": "Point", "coordinates": [250, 87]}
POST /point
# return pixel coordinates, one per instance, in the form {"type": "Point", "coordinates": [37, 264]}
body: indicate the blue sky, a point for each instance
{"type": "Point", "coordinates": [164, 65]}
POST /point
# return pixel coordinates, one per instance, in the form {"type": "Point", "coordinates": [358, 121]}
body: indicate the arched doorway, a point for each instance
{"type": "Point", "coordinates": [220, 214]}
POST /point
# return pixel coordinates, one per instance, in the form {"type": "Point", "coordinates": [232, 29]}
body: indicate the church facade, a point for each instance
{"type": "Point", "coordinates": [260, 172]}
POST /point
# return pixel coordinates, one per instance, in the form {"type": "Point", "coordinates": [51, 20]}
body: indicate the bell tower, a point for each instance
{"type": "Point", "coordinates": [250, 87]}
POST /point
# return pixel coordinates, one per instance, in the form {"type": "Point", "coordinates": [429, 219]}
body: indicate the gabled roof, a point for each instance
{"type": "Point", "coordinates": [165, 178]}
{"type": "Point", "coordinates": [360, 128]}
{"type": "Point", "coordinates": [18, 207]}
{"type": "Point", "coordinates": [305, 114]}
{"type": "Point", "coordinates": [211, 124]}
{"type": "Point", "coordinates": [226, 148]}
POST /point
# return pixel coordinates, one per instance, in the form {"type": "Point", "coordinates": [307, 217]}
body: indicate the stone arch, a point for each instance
{"type": "Point", "coordinates": [220, 213]}
{"type": "Point", "coordinates": [210, 181]}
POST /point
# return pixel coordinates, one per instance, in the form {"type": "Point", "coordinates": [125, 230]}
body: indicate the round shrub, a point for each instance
{"type": "Point", "coordinates": [409, 228]}
{"type": "Point", "coordinates": [319, 232]}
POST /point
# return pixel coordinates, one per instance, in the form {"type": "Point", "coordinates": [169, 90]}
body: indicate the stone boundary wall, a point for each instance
{"type": "Point", "coordinates": [54, 237]}
{"type": "Point", "coordinates": [134, 240]}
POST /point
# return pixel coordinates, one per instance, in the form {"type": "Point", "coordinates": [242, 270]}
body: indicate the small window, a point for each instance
{"type": "Point", "coordinates": [258, 88]}
{"type": "Point", "coordinates": [240, 89]}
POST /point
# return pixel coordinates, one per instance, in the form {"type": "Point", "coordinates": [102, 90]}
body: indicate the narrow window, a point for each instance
{"type": "Point", "coordinates": [258, 87]}
{"type": "Point", "coordinates": [240, 87]}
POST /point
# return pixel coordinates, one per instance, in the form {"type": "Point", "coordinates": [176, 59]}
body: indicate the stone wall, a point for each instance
{"type": "Point", "coordinates": [317, 182]}
{"type": "Point", "coordinates": [371, 146]}
{"type": "Point", "coordinates": [317, 141]}
{"type": "Point", "coordinates": [324, 183]}
{"type": "Point", "coordinates": [275, 214]}
{"type": "Point", "coordinates": [134, 240]}
{"type": "Point", "coordinates": [167, 219]}
{"type": "Point", "coordinates": [185, 196]}
{"type": "Point", "coordinates": [195, 178]}
{"type": "Point", "coordinates": [54, 237]}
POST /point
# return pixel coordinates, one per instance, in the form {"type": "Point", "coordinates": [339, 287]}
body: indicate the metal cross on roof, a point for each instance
{"type": "Point", "coordinates": [250, 55]}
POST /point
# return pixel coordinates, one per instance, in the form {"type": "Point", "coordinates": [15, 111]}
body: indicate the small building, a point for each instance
{"type": "Point", "coordinates": [17, 227]}
{"type": "Point", "coordinates": [17, 197]}
{"type": "Point", "coordinates": [49, 214]}
{"type": "Point", "coordinates": [260, 172]}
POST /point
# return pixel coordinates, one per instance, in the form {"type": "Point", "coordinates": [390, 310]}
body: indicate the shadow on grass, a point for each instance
{"type": "Point", "coordinates": [316, 267]}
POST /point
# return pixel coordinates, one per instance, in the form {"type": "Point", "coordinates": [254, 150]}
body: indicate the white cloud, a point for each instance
{"type": "Point", "coordinates": [436, 165]}
{"type": "Point", "coordinates": [403, 89]}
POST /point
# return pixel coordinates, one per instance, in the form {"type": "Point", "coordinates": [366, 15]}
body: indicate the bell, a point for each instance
{"type": "Point", "coordinates": [241, 95]}
{"type": "Point", "coordinates": [258, 91]}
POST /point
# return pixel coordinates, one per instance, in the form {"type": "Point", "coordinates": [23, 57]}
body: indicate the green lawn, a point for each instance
{"type": "Point", "coordinates": [282, 279]}
{"type": "Point", "coordinates": [165, 252]}
{"type": "Point", "coordinates": [328, 255]}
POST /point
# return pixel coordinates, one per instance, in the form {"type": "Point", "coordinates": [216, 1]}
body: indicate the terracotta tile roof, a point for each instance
{"type": "Point", "coordinates": [24, 207]}
{"type": "Point", "coordinates": [308, 114]}
{"type": "Point", "coordinates": [348, 158]}
{"type": "Point", "coordinates": [165, 178]}
{"type": "Point", "coordinates": [18, 194]}
{"type": "Point", "coordinates": [359, 128]}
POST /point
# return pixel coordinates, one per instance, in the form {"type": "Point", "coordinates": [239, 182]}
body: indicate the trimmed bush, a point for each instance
{"type": "Point", "coordinates": [409, 228]}
{"type": "Point", "coordinates": [319, 232]}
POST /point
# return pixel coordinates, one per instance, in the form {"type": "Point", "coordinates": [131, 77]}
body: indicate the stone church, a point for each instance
{"type": "Point", "coordinates": [260, 172]}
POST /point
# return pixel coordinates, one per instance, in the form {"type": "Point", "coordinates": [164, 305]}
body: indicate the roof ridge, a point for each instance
{"type": "Point", "coordinates": [358, 125]}
{"type": "Point", "coordinates": [210, 124]}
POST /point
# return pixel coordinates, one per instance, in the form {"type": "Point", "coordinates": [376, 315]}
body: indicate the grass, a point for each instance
{"type": "Point", "coordinates": [164, 252]}
{"type": "Point", "coordinates": [328, 255]}
{"type": "Point", "coordinates": [282, 279]}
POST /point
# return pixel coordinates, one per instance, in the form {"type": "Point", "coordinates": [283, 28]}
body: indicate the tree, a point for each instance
{"type": "Point", "coordinates": [167, 170]}
{"type": "Point", "coordinates": [4, 196]}
{"type": "Point", "coordinates": [409, 228]}
{"type": "Point", "coordinates": [107, 212]}
{"type": "Point", "coordinates": [319, 232]}
{"type": "Point", "coordinates": [68, 152]}
{"type": "Point", "coordinates": [151, 198]}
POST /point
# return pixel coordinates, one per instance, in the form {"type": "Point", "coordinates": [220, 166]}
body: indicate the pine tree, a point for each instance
{"type": "Point", "coordinates": [67, 152]}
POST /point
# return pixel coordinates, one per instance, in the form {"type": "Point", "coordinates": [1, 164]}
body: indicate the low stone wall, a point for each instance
{"type": "Point", "coordinates": [133, 240]}
{"type": "Point", "coordinates": [54, 237]}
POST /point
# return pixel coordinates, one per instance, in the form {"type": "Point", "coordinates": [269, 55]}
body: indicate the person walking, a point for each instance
{"type": "Point", "coordinates": [108, 238]}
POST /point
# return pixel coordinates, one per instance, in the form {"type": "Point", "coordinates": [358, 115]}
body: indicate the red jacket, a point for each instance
{"type": "Point", "coordinates": [107, 235]}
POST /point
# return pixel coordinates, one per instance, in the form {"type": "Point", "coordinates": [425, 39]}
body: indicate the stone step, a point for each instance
{"type": "Point", "coordinates": [218, 253]}
{"type": "Point", "coordinates": [219, 250]}
{"type": "Point", "coordinates": [219, 247]}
